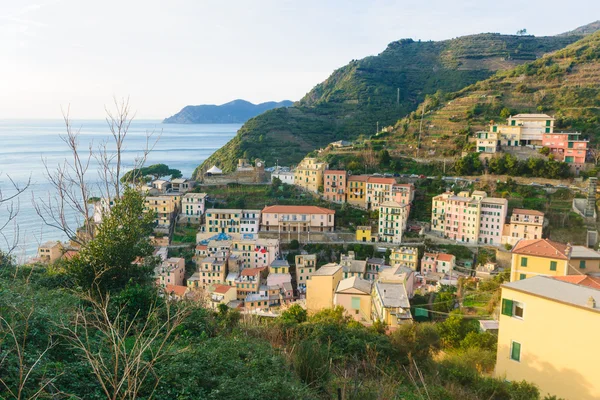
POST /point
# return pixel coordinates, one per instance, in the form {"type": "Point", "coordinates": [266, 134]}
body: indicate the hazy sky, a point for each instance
{"type": "Point", "coordinates": [167, 54]}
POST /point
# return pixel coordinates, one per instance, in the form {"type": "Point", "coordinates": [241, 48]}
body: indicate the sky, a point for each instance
{"type": "Point", "coordinates": [166, 54]}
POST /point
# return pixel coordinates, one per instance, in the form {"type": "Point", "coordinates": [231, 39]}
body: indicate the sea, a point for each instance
{"type": "Point", "coordinates": [28, 146]}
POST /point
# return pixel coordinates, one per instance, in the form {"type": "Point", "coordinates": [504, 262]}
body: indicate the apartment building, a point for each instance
{"type": "Point", "coordinates": [249, 281]}
{"type": "Point", "coordinates": [351, 266]}
{"type": "Point", "coordinates": [487, 142]}
{"type": "Point", "coordinates": [437, 263]}
{"type": "Point", "coordinates": [284, 175]}
{"type": "Point", "coordinates": [354, 294]}
{"type": "Point", "coordinates": [306, 265]}
{"type": "Point", "coordinates": [568, 147]}
{"type": "Point", "coordinates": [50, 252]}
{"type": "Point", "coordinates": [297, 219]}
{"type": "Point", "coordinates": [309, 174]}
{"type": "Point", "coordinates": [405, 255]}
{"type": "Point", "coordinates": [334, 188]}
{"type": "Point", "coordinates": [220, 294]}
{"type": "Point", "coordinates": [165, 208]}
{"type": "Point", "coordinates": [547, 335]}
{"type": "Point", "coordinates": [524, 224]}
{"type": "Point", "coordinates": [374, 267]}
{"type": "Point", "coordinates": [524, 129]}
{"type": "Point", "coordinates": [379, 190]}
{"type": "Point", "coordinates": [393, 218]}
{"type": "Point", "coordinates": [469, 218]}
{"type": "Point", "coordinates": [234, 222]}
{"type": "Point", "coordinates": [255, 253]}
{"type": "Point", "coordinates": [403, 193]}
{"type": "Point", "coordinates": [192, 208]}
{"type": "Point", "coordinates": [182, 185]}
{"type": "Point", "coordinates": [170, 272]}
{"type": "Point", "coordinates": [356, 193]}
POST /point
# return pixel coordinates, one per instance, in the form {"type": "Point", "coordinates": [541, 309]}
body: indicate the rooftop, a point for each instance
{"type": "Point", "coordinates": [194, 195]}
{"type": "Point", "coordinates": [222, 289]}
{"type": "Point", "coordinates": [445, 257]}
{"type": "Point", "coordinates": [531, 116]}
{"type": "Point", "coordinates": [385, 181]}
{"type": "Point", "coordinates": [355, 266]}
{"type": "Point", "coordinates": [393, 294]}
{"type": "Point", "coordinates": [280, 263]}
{"type": "Point", "coordinates": [177, 290]}
{"type": "Point", "coordinates": [584, 252]}
{"type": "Point", "coordinates": [354, 283]}
{"type": "Point", "coordinates": [527, 212]}
{"type": "Point", "coordinates": [557, 290]}
{"type": "Point", "coordinates": [583, 280]}
{"type": "Point", "coordinates": [541, 248]}
{"type": "Point", "coordinates": [229, 211]}
{"type": "Point", "coordinates": [251, 271]}
{"type": "Point", "coordinates": [327, 270]}
{"type": "Point", "coordinates": [297, 210]}
{"type": "Point", "coordinates": [358, 178]}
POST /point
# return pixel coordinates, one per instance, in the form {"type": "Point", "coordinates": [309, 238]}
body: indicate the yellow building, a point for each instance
{"type": "Point", "coordinates": [486, 142]}
{"type": "Point", "coordinates": [279, 267]}
{"type": "Point", "coordinates": [210, 270]}
{"type": "Point", "coordinates": [390, 304]}
{"type": "Point", "coordinates": [309, 174]}
{"type": "Point", "coordinates": [547, 334]}
{"type": "Point", "coordinates": [357, 190]}
{"type": "Point", "coordinates": [545, 257]}
{"type": "Point", "coordinates": [165, 209]}
{"type": "Point", "coordinates": [50, 251]}
{"type": "Point", "coordinates": [354, 294]}
{"type": "Point", "coordinates": [220, 294]}
{"type": "Point", "coordinates": [363, 234]}
{"type": "Point", "coordinates": [524, 129]}
{"type": "Point", "coordinates": [233, 222]}
{"type": "Point", "coordinates": [320, 289]}
{"type": "Point", "coordinates": [408, 256]}
{"type": "Point", "coordinates": [306, 265]}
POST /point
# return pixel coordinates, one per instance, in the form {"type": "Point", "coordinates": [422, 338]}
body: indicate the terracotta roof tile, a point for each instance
{"type": "Point", "coordinates": [222, 288]}
{"type": "Point", "coordinates": [251, 271]}
{"type": "Point", "coordinates": [541, 248]}
{"type": "Point", "coordinates": [177, 290]}
{"type": "Point", "coordinates": [584, 280]}
{"type": "Point", "coordinates": [358, 178]}
{"type": "Point", "coordinates": [445, 257]}
{"type": "Point", "coordinates": [386, 181]}
{"type": "Point", "coordinates": [527, 212]}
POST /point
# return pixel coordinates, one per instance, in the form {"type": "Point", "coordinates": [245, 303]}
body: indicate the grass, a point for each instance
{"type": "Point", "coordinates": [184, 234]}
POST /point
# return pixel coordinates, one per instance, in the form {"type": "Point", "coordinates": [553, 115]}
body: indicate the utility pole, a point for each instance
{"type": "Point", "coordinates": [377, 131]}
{"type": "Point", "coordinates": [421, 128]}
{"type": "Point", "coordinates": [398, 97]}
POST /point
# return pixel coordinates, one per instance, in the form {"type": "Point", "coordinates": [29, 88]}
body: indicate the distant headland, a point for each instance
{"type": "Point", "coordinates": [234, 112]}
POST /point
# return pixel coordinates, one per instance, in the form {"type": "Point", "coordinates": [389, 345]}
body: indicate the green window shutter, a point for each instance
{"type": "Point", "coordinates": [356, 303]}
{"type": "Point", "coordinates": [507, 307]}
{"type": "Point", "coordinates": [494, 128]}
{"type": "Point", "coordinates": [523, 261]}
{"type": "Point", "coordinates": [513, 122]}
{"type": "Point", "coordinates": [515, 352]}
{"type": "Point", "coordinates": [552, 265]}
{"type": "Point", "coordinates": [547, 130]}
{"type": "Point", "coordinates": [522, 276]}
{"type": "Point", "coordinates": [547, 122]}
{"type": "Point", "coordinates": [582, 264]}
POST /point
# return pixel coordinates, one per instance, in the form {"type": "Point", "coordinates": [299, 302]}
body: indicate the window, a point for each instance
{"type": "Point", "coordinates": [522, 276]}
{"type": "Point", "coordinates": [523, 261]}
{"type": "Point", "coordinates": [582, 264]}
{"type": "Point", "coordinates": [507, 307]}
{"type": "Point", "coordinates": [515, 351]}
{"type": "Point", "coordinates": [518, 309]}
{"type": "Point", "coordinates": [356, 303]}
{"type": "Point", "coordinates": [552, 265]}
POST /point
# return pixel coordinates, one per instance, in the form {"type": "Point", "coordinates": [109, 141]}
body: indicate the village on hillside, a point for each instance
{"type": "Point", "coordinates": [261, 261]}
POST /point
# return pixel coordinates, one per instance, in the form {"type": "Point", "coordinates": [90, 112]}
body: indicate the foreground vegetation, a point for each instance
{"type": "Point", "coordinates": [96, 327]}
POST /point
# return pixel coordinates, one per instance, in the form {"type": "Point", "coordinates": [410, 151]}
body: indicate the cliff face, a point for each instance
{"type": "Point", "coordinates": [234, 112]}
{"type": "Point", "coordinates": [379, 89]}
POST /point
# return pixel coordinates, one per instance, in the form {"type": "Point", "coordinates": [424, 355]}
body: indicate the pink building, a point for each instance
{"type": "Point", "coordinates": [403, 193]}
{"type": "Point", "coordinates": [567, 147]}
{"type": "Point", "coordinates": [437, 263]}
{"type": "Point", "coordinates": [379, 190]}
{"type": "Point", "coordinates": [334, 186]}
{"type": "Point", "coordinates": [297, 219]}
{"type": "Point", "coordinates": [170, 272]}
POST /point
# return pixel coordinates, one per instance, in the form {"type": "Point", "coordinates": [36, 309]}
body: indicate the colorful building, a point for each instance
{"type": "Point", "coordinates": [297, 219]}
{"type": "Point", "coordinates": [334, 188]}
{"type": "Point", "coordinates": [255, 253]}
{"type": "Point", "coordinates": [487, 142]}
{"type": "Point", "coordinates": [306, 264]}
{"type": "Point", "coordinates": [545, 257]}
{"type": "Point", "coordinates": [192, 208]}
{"type": "Point", "coordinates": [249, 281]}
{"type": "Point", "coordinates": [233, 222]}
{"type": "Point", "coordinates": [320, 289]}
{"type": "Point", "coordinates": [469, 218]}
{"type": "Point", "coordinates": [357, 190]}
{"type": "Point", "coordinates": [374, 267]}
{"type": "Point", "coordinates": [354, 294]}
{"type": "Point", "coordinates": [165, 208]}
{"type": "Point", "coordinates": [309, 174]}
{"type": "Point", "coordinates": [393, 218]}
{"type": "Point", "coordinates": [351, 266]}
{"type": "Point", "coordinates": [363, 234]}
{"type": "Point", "coordinates": [50, 252]}
{"type": "Point", "coordinates": [437, 263]}
{"type": "Point", "coordinates": [568, 147]}
{"type": "Point", "coordinates": [170, 272]}
{"type": "Point", "coordinates": [403, 193]}
{"type": "Point", "coordinates": [220, 294]}
{"type": "Point", "coordinates": [379, 190]}
{"type": "Point", "coordinates": [547, 336]}
{"type": "Point", "coordinates": [405, 255]}
{"type": "Point", "coordinates": [524, 224]}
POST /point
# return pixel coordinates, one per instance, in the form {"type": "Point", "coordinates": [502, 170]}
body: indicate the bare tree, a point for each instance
{"type": "Point", "coordinates": [69, 208]}
{"type": "Point", "coordinates": [370, 158]}
{"type": "Point", "coordinates": [595, 153]}
{"type": "Point", "coordinates": [9, 201]}
{"type": "Point", "coordinates": [122, 366]}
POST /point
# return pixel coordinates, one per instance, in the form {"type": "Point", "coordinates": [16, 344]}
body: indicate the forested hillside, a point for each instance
{"type": "Point", "coordinates": [563, 84]}
{"type": "Point", "coordinates": [357, 96]}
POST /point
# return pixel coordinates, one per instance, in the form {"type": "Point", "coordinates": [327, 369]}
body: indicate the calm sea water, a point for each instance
{"type": "Point", "coordinates": [25, 144]}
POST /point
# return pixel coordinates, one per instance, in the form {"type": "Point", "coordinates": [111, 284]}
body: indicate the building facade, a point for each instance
{"type": "Point", "coordinates": [309, 174]}
{"type": "Point", "coordinates": [393, 218]}
{"type": "Point", "coordinates": [192, 208]}
{"type": "Point", "coordinates": [320, 288]}
{"type": "Point", "coordinates": [405, 255]}
{"type": "Point", "coordinates": [524, 224]}
{"type": "Point", "coordinates": [356, 193]}
{"type": "Point", "coordinates": [306, 265]}
{"type": "Point", "coordinates": [297, 219]}
{"type": "Point", "coordinates": [334, 188]}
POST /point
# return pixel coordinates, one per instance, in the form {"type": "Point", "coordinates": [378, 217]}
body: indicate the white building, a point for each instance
{"type": "Point", "coordinates": [249, 224]}
{"type": "Point", "coordinates": [192, 208]}
{"type": "Point", "coordinates": [393, 218]}
{"type": "Point", "coordinates": [284, 175]}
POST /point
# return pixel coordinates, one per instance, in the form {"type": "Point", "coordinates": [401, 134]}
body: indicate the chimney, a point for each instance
{"type": "Point", "coordinates": [568, 251]}
{"type": "Point", "coordinates": [591, 303]}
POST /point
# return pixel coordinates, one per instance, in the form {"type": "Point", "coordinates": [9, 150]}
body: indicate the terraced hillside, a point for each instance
{"type": "Point", "coordinates": [565, 84]}
{"type": "Point", "coordinates": [357, 96]}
